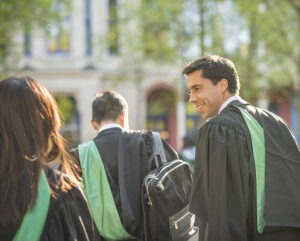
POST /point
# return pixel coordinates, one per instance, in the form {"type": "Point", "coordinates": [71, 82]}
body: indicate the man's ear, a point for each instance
{"type": "Point", "coordinates": [122, 119]}
{"type": "Point", "coordinates": [95, 125]}
{"type": "Point", "coordinates": [223, 83]}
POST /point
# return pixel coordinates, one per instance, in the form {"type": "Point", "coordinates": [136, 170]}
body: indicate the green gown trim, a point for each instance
{"type": "Point", "coordinates": [258, 146]}
{"type": "Point", "coordinates": [99, 195]}
{"type": "Point", "coordinates": [34, 219]}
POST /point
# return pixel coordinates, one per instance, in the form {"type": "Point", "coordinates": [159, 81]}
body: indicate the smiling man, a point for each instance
{"type": "Point", "coordinates": [247, 161]}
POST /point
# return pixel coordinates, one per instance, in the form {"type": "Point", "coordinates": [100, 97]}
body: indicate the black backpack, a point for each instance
{"type": "Point", "coordinates": [166, 194]}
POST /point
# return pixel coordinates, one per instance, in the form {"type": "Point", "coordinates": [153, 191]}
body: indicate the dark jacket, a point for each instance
{"type": "Point", "coordinates": [126, 155]}
{"type": "Point", "coordinates": [68, 216]}
{"type": "Point", "coordinates": [224, 194]}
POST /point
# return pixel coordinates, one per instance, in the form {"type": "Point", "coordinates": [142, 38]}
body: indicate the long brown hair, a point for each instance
{"type": "Point", "coordinates": [29, 138]}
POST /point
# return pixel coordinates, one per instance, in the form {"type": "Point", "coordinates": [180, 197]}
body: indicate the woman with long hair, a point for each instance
{"type": "Point", "coordinates": [37, 201]}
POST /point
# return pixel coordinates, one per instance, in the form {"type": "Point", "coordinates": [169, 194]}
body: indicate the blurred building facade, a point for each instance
{"type": "Point", "coordinates": [81, 56]}
{"type": "Point", "coordinates": [84, 54]}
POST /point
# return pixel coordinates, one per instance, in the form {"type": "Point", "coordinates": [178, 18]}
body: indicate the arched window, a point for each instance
{"type": "Point", "coordinates": [161, 114]}
{"type": "Point", "coordinates": [71, 120]}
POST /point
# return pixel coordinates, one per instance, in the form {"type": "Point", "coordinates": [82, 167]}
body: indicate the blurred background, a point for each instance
{"type": "Point", "coordinates": [139, 47]}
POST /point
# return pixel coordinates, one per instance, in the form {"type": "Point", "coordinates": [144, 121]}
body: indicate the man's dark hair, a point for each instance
{"type": "Point", "coordinates": [215, 68]}
{"type": "Point", "coordinates": [108, 105]}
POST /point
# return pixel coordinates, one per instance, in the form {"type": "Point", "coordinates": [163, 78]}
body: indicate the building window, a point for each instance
{"type": "Point", "coordinates": [27, 44]}
{"type": "Point", "coordinates": [59, 34]}
{"type": "Point", "coordinates": [88, 27]}
{"type": "Point", "coordinates": [113, 35]}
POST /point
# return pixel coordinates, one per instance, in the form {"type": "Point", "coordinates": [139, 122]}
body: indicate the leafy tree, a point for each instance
{"type": "Point", "coordinates": [211, 26]}
{"type": "Point", "coordinates": [295, 4]}
{"type": "Point", "coordinates": [169, 30]}
{"type": "Point", "coordinates": [247, 55]}
{"type": "Point", "coordinates": [161, 29]}
{"type": "Point", "coordinates": [269, 56]}
{"type": "Point", "coordinates": [19, 17]}
{"type": "Point", "coordinates": [67, 107]}
{"type": "Point", "coordinates": [273, 42]}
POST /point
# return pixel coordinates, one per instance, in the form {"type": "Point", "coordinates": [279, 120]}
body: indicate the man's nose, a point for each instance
{"type": "Point", "coordinates": [192, 98]}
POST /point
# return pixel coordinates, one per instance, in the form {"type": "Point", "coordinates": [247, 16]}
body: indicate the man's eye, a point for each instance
{"type": "Point", "coordinates": [194, 90]}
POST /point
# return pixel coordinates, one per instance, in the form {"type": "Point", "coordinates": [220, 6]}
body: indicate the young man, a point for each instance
{"type": "Point", "coordinates": [125, 156]}
{"type": "Point", "coordinates": [246, 179]}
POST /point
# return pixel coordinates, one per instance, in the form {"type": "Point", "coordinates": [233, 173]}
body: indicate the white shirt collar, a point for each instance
{"type": "Point", "coordinates": [108, 126]}
{"type": "Point", "coordinates": [226, 103]}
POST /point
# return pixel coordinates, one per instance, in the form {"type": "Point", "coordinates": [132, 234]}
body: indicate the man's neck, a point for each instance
{"type": "Point", "coordinates": [229, 100]}
{"type": "Point", "coordinates": [108, 125]}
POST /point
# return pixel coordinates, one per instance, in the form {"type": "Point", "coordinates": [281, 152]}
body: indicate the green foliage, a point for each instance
{"type": "Point", "coordinates": [168, 30]}
{"type": "Point", "coordinates": [155, 102]}
{"type": "Point", "coordinates": [273, 50]}
{"type": "Point", "coordinates": [17, 17]}
{"type": "Point", "coordinates": [66, 106]}
{"type": "Point", "coordinates": [161, 29]}
{"type": "Point", "coordinates": [268, 56]}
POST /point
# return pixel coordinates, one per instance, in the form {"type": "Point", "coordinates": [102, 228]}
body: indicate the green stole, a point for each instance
{"type": "Point", "coordinates": [34, 219]}
{"type": "Point", "coordinates": [99, 195]}
{"type": "Point", "coordinates": [258, 149]}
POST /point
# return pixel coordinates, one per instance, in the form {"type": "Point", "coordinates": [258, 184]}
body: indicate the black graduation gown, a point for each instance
{"type": "Point", "coordinates": [68, 217]}
{"type": "Point", "coordinates": [224, 187]}
{"type": "Point", "coordinates": [125, 155]}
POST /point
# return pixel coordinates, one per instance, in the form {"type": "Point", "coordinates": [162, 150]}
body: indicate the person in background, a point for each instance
{"type": "Point", "coordinates": [187, 152]}
{"type": "Point", "coordinates": [121, 156]}
{"type": "Point", "coordinates": [246, 178]}
{"type": "Point", "coordinates": [37, 202]}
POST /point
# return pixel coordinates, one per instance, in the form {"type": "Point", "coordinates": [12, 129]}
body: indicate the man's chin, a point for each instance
{"type": "Point", "coordinates": [203, 116]}
{"type": "Point", "coordinates": [206, 117]}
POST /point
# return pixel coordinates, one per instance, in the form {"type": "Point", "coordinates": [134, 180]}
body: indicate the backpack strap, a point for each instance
{"type": "Point", "coordinates": [34, 219]}
{"type": "Point", "coordinates": [258, 148]}
{"type": "Point", "coordinates": [99, 195]}
{"type": "Point", "coordinates": [159, 158]}
{"type": "Point", "coordinates": [158, 149]}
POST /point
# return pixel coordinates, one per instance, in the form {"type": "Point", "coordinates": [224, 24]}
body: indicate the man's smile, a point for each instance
{"type": "Point", "coordinates": [199, 107]}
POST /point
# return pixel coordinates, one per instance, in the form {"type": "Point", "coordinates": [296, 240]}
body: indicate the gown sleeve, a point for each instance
{"type": "Point", "coordinates": [221, 182]}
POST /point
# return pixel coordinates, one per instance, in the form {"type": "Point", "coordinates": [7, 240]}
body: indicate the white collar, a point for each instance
{"type": "Point", "coordinates": [226, 103]}
{"type": "Point", "coordinates": [108, 126]}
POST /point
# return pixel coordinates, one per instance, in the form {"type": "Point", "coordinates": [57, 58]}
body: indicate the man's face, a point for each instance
{"type": "Point", "coordinates": [206, 96]}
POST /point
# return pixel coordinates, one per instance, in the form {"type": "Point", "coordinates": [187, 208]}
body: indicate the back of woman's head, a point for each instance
{"type": "Point", "coordinates": [29, 138]}
{"type": "Point", "coordinates": [28, 118]}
